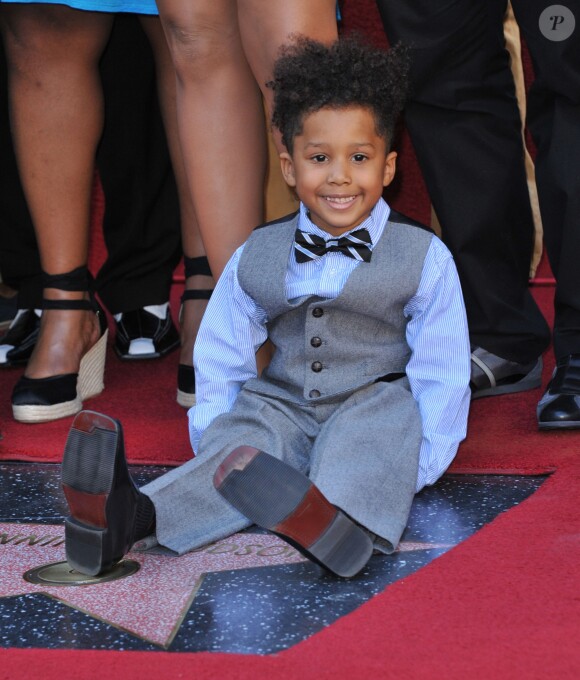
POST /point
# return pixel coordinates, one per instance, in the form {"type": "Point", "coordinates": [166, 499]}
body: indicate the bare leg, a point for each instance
{"type": "Point", "coordinates": [221, 122]}
{"type": "Point", "coordinates": [264, 27]}
{"type": "Point", "coordinates": [57, 116]}
{"type": "Point", "coordinates": [192, 312]}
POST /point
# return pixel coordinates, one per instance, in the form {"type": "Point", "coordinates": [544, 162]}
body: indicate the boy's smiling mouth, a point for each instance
{"type": "Point", "coordinates": [340, 201]}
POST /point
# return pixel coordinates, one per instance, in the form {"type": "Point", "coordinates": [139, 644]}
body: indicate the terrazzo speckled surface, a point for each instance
{"type": "Point", "coordinates": [250, 593]}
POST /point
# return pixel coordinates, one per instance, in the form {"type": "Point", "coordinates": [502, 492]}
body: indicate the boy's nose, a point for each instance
{"type": "Point", "coordinates": [338, 173]}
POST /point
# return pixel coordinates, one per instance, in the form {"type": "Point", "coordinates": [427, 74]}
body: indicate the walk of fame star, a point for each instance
{"type": "Point", "coordinates": [152, 603]}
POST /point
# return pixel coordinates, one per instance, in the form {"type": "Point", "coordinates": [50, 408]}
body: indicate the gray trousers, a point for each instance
{"type": "Point", "coordinates": [361, 451]}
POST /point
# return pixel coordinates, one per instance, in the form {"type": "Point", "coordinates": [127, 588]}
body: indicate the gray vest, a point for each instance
{"type": "Point", "coordinates": [325, 348]}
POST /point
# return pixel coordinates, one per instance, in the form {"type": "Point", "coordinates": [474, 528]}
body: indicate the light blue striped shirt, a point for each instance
{"type": "Point", "coordinates": [234, 327]}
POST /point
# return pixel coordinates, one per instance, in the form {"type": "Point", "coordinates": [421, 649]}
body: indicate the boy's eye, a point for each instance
{"type": "Point", "coordinates": [319, 158]}
{"type": "Point", "coordinates": [359, 157]}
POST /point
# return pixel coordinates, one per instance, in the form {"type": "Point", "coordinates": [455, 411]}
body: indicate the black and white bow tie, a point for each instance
{"type": "Point", "coordinates": [356, 245]}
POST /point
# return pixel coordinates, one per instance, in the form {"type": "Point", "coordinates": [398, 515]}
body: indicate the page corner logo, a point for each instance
{"type": "Point", "coordinates": [557, 23]}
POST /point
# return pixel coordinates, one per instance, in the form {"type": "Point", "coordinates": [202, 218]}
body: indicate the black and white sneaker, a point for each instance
{"type": "Point", "coordinates": [17, 343]}
{"type": "Point", "coordinates": [147, 333]}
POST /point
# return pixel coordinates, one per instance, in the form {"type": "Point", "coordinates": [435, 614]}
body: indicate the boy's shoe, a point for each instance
{"type": "Point", "coordinates": [147, 333]}
{"type": "Point", "coordinates": [101, 495]}
{"type": "Point", "coordinates": [279, 498]}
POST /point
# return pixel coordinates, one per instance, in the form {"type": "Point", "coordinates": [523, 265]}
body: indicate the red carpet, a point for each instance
{"type": "Point", "coordinates": [502, 431]}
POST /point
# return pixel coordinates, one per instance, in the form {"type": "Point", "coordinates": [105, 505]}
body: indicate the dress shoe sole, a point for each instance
{"type": "Point", "coordinates": [564, 425]}
{"type": "Point", "coordinates": [282, 500]}
{"type": "Point", "coordinates": [90, 471]}
{"type": "Point", "coordinates": [90, 382]}
{"type": "Point", "coordinates": [530, 381]}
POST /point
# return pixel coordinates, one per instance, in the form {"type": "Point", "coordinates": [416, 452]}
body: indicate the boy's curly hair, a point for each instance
{"type": "Point", "coordinates": [309, 76]}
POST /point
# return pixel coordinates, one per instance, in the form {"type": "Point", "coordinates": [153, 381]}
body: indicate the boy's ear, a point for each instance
{"type": "Point", "coordinates": [287, 168]}
{"type": "Point", "coordinates": [390, 167]}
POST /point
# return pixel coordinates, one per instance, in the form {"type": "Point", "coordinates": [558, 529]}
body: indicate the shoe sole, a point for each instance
{"type": "Point", "coordinates": [282, 500]}
{"type": "Point", "coordinates": [565, 425]}
{"type": "Point", "coordinates": [90, 382]}
{"type": "Point", "coordinates": [529, 382]}
{"type": "Point", "coordinates": [87, 477]}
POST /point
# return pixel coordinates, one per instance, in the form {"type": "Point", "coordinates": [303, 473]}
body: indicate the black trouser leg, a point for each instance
{"type": "Point", "coordinates": [465, 127]}
{"type": "Point", "coordinates": [141, 223]}
{"type": "Point", "coordinates": [554, 122]}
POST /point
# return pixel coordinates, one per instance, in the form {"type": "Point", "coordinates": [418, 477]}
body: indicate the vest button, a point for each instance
{"type": "Point", "coordinates": [315, 342]}
{"type": "Point", "coordinates": [317, 312]}
{"type": "Point", "coordinates": [316, 366]}
{"type": "Point", "coordinates": [313, 394]}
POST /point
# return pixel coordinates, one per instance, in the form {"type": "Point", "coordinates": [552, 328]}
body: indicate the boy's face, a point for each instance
{"type": "Point", "coordinates": [339, 167]}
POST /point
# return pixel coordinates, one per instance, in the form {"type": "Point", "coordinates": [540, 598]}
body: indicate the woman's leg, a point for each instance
{"type": "Point", "coordinates": [221, 122]}
{"type": "Point", "coordinates": [191, 238]}
{"type": "Point", "coordinates": [56, 113]}
{"type": "Point", "coordinates": [264, 27]}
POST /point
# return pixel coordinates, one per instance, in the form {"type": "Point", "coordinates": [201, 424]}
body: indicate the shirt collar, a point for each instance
{"type": "Point", "coordinates": [375, 222]}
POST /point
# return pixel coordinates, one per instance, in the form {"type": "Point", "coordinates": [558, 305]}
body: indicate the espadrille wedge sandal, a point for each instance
{"type": "Point", "coordinates": [37, 400]}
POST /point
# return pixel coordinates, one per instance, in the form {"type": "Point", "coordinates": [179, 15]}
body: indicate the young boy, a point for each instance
{"type": "Point", "coordinates": [366, 397]}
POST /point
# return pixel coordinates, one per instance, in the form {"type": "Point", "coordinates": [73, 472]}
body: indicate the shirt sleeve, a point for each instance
{"type": "Point", "coordinates": [232, 329]}
{"type": "Point", "coordinates": [440, 364]}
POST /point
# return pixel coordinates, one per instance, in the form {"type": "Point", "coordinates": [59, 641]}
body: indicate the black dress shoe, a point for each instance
{"type": "Point", "coordinates": [559, 408]}
{"type": "Point", "coordinates": [282, 500]}
{"type": "Point", "coordinates": [143, 334]}
{"type": "Point", "coordinates": [19, 340]}
{"type": "Point", "coordinates": [101, 495]}
{"type": "Point", "coordinates": [491, 375]}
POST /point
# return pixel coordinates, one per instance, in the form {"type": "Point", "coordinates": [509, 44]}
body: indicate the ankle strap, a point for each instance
{"type": "Point", "coordinates": [196, 295]}
{"type": "Point", "coordinates": [77, 280]}
{"type": "Point", "coordinates": [196, 266]}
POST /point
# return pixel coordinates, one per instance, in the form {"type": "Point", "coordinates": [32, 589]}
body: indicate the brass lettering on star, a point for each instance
{"type": "Point", "coordinates": [31, 540]}
{"type": "Point", "coordinates": [249, 549]}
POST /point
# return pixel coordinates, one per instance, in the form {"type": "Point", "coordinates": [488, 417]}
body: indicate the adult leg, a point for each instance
{"type": "Point", "coordinates": [220, 120]}
{"type": "Point", "coordinates": [465, 127]}
{"type": "Point", "coordinates": [56, 113]}
{"type": "Point", "coordinates": [141, 219]}
{"type": "Point", "coordinates": [195, 278]}
{"type": "Point", "coordinates": [265, 28]}
{"type": "Point", "coordinates": [554, 122]}
{"type": "Point", "coordinates": [19, 259]}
